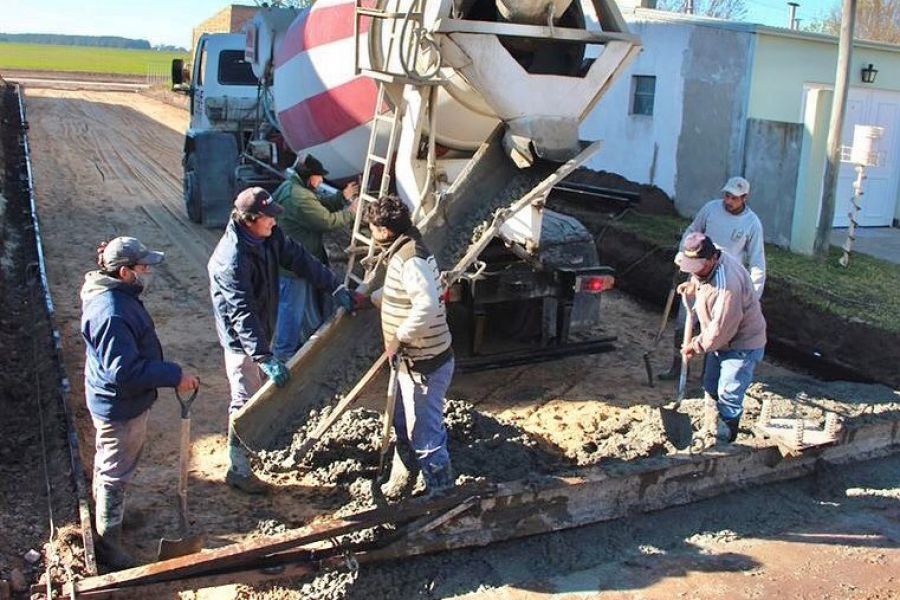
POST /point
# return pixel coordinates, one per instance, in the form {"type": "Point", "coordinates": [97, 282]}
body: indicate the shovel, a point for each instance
{"type": "Point", "coordinates": [186, 544]}
{"type": "Point", "coordinates": [676, 424]}
{"type": "Point", "coordinates": [670, 300]}
{"type": "Point", "coordinates": [389, 406]}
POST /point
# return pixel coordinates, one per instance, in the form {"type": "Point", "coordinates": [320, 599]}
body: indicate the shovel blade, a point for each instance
{"type": "Point", "coordinates": [677, 426]}
{"type": "Point", "coordinates": [180, 547]}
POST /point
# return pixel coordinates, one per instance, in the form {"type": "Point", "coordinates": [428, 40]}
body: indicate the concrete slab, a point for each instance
{"type": "Point", "coordinates": [881, 242]}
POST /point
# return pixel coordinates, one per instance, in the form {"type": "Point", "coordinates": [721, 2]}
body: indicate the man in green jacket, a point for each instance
{"type": "Point", "coordinates": [307, 217]}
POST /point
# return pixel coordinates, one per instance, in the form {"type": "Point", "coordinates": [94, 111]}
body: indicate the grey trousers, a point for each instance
{"type": "Point", "coordinates": [244, 378]}
{"type": "Point", "coordinates": [117, 451]}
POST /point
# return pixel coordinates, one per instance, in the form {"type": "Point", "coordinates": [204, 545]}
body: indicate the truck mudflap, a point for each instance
{"type": "Point", "coordinates": [209, 177]}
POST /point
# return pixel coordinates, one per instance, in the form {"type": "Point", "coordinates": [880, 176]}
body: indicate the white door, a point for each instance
{"type": "Point", "coordinates": [880, 108]}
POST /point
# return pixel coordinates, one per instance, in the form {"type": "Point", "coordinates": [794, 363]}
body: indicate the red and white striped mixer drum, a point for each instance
{"type": "Point", "coordinates": [325, 109]}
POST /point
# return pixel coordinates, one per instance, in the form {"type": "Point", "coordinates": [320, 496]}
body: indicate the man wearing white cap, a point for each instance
{"type": "Point", "coordinates": [735, 228]}
{"type": "Point", "coordinates": [732, 326]}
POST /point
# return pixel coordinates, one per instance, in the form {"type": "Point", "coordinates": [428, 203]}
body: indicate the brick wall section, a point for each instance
{"type": "Point", "coordinates": [228, 20]}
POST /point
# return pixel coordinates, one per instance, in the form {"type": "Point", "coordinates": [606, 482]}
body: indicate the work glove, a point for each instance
{"type": "Point", "coordinates": [361, 301]}
{"type": "Point", "coordinates": [275, 370]}
{"type": "Point", "coordinates": [344, 298]}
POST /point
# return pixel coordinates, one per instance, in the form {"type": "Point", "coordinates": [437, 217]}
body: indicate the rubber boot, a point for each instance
{"type": "Point", "coordinates": [674, 371]}
{"type": "Point", "coordinates": [438, 479]}
{"type": "Point", "coordinates": [404, 470]}
{"type": "Point", "coordinates": [240, 475]}
{"type": "Point", "coordinates": [110, 508]}
{"type": "Point", "coordinates": [727, 429]}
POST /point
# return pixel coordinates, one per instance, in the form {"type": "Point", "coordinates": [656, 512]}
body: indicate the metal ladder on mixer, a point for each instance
{"type": "Point", "coordinates": [362, 248]}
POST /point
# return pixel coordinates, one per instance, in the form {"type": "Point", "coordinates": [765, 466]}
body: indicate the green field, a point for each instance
{"type": "Point", "coordinates": [85, 59]}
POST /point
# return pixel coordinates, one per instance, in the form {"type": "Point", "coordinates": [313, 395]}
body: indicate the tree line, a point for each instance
{"type": "Point", "coordinates": [101, 41]}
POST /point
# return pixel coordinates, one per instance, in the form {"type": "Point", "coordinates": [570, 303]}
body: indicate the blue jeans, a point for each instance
{"type": "Point", "coordinates": [728, 374]}
{"type": "Point", "coordinates": [421, 411]}
{"type": "Point", "coordinates": [301, 310]}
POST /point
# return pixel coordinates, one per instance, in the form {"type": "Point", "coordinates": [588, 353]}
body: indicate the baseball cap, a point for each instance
{"type": "Point", "coordinates": [127, 252]}
{"type": "Point", "coordinates": [257, 200]}
{"type": "Point", "coordinates": [737, 186]}
{"type": "Point", "coordinates": [311, 166]}
{"type": "Point", "coordinates": [697, 249]}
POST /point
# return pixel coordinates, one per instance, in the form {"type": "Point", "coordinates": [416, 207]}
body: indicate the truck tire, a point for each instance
{"type": "Point", "coordinates": [193, 203]}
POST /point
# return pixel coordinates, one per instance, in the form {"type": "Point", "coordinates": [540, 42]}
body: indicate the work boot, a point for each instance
{"type": "Point", "coordinates": [727, 429]}
{"type": "Point", "coordinates": [110, 550]}
{"type": "Point", "coordinates": [439, 479]}
{"type": "Point", "coordinates": [109, 508]}
{"type": "Point", "coordinates": [674, 371]}
{"type": "Point", "coordinates": [404, 470]}
{"type": "Point", "coordinates": [240, 475]}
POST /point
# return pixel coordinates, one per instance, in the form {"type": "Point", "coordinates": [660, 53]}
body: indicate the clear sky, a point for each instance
{"type": "Point", "coordinates": [159, 21]}
{"type": "Point", "coordinates": [775, 12]}
{"type": "Point", "coordinates": [171, 21]}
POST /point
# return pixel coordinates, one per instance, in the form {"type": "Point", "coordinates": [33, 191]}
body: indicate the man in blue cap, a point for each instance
{"type": "Point", "coordinates": [124, 367]}
{"type": "Point", "coordinates": [243, 282]}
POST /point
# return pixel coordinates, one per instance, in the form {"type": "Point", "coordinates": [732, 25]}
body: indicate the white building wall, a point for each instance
{"type": "Point", "coordinates": [638, 147]}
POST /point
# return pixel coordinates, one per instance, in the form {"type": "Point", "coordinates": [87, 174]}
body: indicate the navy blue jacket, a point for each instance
{"type": "Point", "coordinates": [124, 360]}
{"type": "Point", "coordinates": [243, 282]}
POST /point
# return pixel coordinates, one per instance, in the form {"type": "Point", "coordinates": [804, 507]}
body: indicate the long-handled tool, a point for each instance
{"type": "Point", "coordinates": [352, 396]}
{"type": "Point", "coordinates": [670, 300]}
{"type": "Point", "coordinates": [676, 424]}
{"type": "Point", "coordinates": [389, 407]}
{"type": "Point", "coordinates": [186, 544]}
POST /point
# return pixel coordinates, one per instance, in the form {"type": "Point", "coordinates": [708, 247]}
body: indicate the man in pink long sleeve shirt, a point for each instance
{"type": "Point", "coordinates": [732, 326]}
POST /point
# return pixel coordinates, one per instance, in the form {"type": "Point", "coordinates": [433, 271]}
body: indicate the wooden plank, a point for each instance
{"type": "Point", "coordinates": [241, 555]}
{"type": "Point", "coordinates": [520, 509]}
{"type": "Point", "coordinates": [481, 515]}
{"type": "Point", "coordinates": [167, 588]}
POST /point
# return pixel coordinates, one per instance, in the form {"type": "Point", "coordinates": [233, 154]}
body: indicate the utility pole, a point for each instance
{"type": "Point", "coordinates": [833, 164]}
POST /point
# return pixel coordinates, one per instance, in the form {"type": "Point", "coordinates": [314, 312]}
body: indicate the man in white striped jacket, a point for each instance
{"type": "Point", "coordinates": [416, 336]}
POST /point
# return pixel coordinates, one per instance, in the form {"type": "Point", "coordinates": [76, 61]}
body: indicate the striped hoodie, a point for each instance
{"type": "Point", "coordinates": [728, 309]}
{"type": "Point", "coordinates": [412, 305]}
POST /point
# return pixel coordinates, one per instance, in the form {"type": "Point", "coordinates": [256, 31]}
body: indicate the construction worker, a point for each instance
{"type": "Point", "coordinates": [732, 326]}
{"type": "Point", "coordinates": [306, 218]}
{"type": "Point", "coordinates": [417, 339]}
{"type": "Point", "coordinates": [734, 228]}
{"type": "Point", "coordinates": [123, 370]}
{"type": "Point", "coordinates": [243, 281]}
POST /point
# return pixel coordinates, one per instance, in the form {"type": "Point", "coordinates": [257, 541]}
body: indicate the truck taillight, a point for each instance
{"type": "Point", "coordinates": [594, 284]}
{"type": "Point", "coordinates": [452, 294]}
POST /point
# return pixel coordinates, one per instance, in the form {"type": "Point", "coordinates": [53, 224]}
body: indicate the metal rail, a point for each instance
{"type": "Point", "coordinates": [78, 474]}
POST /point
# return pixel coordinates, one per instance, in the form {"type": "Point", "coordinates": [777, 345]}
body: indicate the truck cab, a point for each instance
{"type": "Point", "coordinates": [223, 86]}
{"type": "Point", "coordinates": [224, 100]}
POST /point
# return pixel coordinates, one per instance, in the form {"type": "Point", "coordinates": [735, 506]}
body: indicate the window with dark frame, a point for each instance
{"type": "Point", "coordinates": [234, 70]}
{"type": "Point", "coordinates": [643, 91]}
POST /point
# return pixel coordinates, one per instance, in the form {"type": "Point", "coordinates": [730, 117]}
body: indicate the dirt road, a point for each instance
{"type": "Point", "coordinates": [109, 164]}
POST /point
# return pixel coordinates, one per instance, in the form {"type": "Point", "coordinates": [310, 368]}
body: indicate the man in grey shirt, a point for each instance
{"type": "Point", "coordinates": [734, 228]}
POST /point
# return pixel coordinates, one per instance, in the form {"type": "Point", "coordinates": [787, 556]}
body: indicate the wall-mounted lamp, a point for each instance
{"type": "Point", "coordinates": [869, 73]}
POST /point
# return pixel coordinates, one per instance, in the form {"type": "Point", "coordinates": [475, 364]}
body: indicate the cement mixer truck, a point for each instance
{"type": "Point", "coordinates": [468, 109]}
